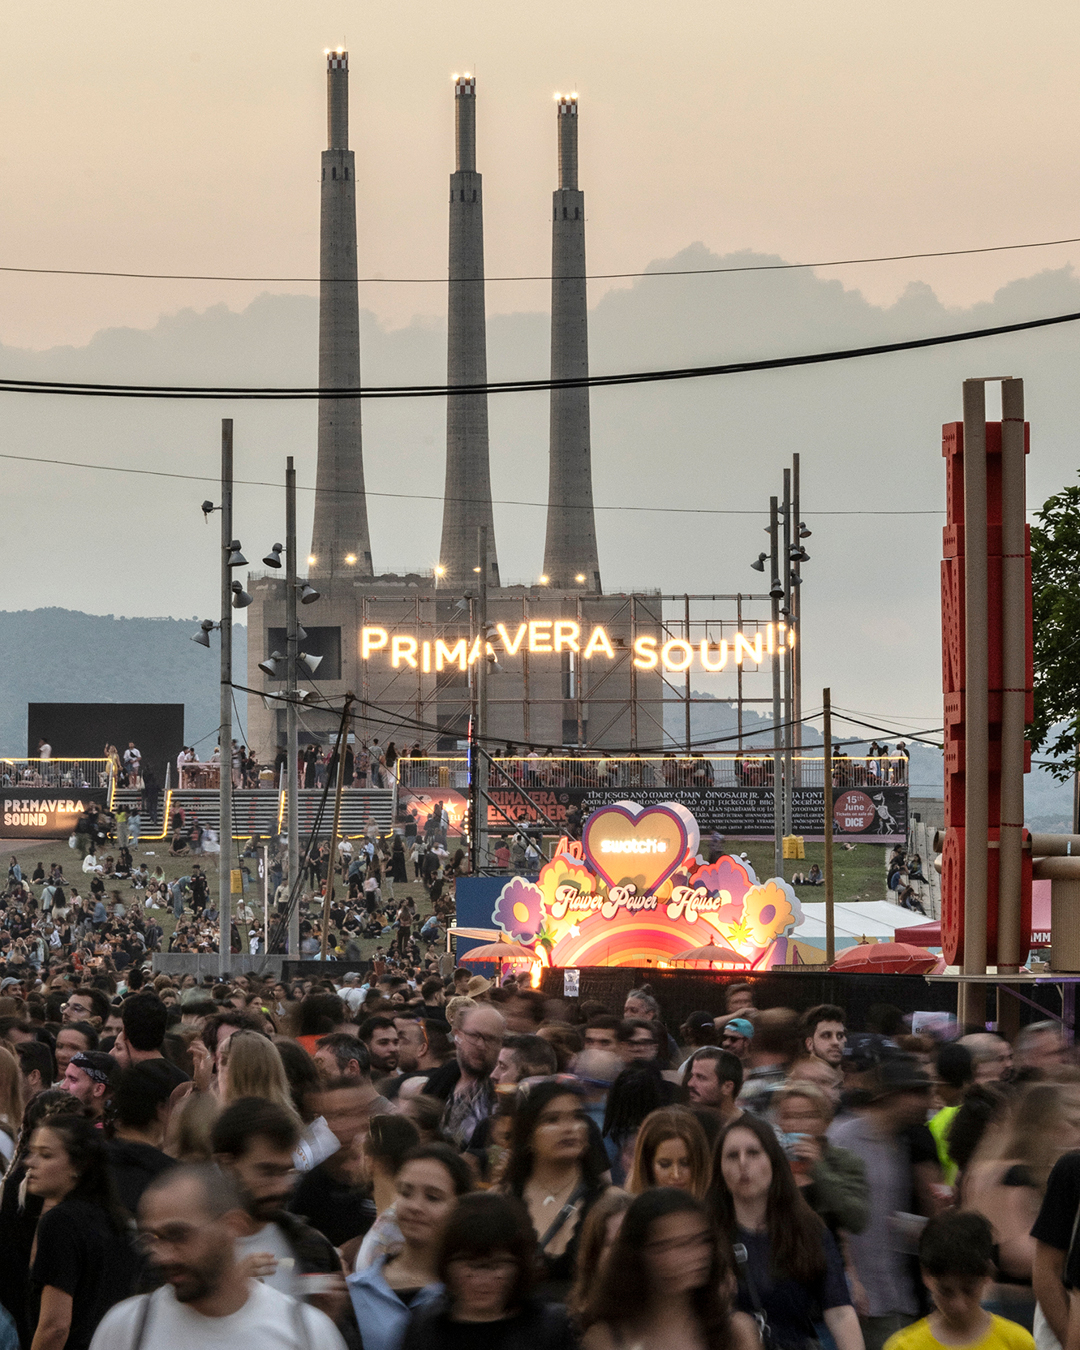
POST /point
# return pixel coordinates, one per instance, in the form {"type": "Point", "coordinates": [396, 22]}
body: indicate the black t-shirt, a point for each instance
{"type": "Point", "coordinates": [81, 1254]}
{"type": "Point", "coordinates": [536, 1326]}
{"type": "Point", "coordinates": [1057, 1217]}
{"type": "Point", "coordinates": [791, 1307]}
{"type": "Point", "coordinates": [338, 1211]}
{"type": "Point", "coordinates": [133, 1167]}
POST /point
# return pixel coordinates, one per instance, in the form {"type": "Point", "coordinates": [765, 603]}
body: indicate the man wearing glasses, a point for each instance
{"type": "Point", "coordinates": [465, 1083]}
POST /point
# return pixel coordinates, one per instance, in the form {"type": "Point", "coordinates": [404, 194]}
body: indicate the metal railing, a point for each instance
{"type": "Point", "coordinates": [55, 773]}
{"type": "Point", "coordinates": [750, 769]}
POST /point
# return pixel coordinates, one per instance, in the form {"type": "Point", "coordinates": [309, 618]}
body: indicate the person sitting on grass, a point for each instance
{"type": "Point", "coordinates": [956, 1257]}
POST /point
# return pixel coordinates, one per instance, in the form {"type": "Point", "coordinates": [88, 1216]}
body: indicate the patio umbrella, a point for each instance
{"type": "Point", "coordinates": [713, 952]}
{"type": "Point", "coordinates": [484, 934]}
{"type": "Point", "coordinates": [886, 958]}
{"type": "Point", "coordinates": [504, 950]}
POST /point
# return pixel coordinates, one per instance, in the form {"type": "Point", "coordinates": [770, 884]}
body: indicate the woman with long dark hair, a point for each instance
{"type": "Point", "coordinates": [664, 1284]}
{"type": "Point", "coordinates": [790, 1273]}
{"type": "Point", "coordinates": [639, 1090]}
{"type": "Point", "coordinates": [487, 1264]}
{"type": "Point", "coordinates": [555, 1173]}
{"type": "Point", "coordinates": [83, 1262]}
{"type": "Point", "coordinates": [672, 1150]}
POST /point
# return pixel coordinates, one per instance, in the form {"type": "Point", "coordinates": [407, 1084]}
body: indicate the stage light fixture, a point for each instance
{"type": "Point", "coordinates": [240, 598]}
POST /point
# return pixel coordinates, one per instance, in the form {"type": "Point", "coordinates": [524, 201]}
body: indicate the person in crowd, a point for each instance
{"type": "Point", "coordinates": [902, 1169]}
{"type": "Point", "coordinates": [145, 1022]}
{"type": "Point", "coordinates": [737, 1036]}
{"type": "Point", "coordinates": [598, 1234]}
{"type": "Point", "coordinates": [1041, 1045]}
{"type": "Point", "coordinates": [71, 1040]}
{"type": "Point", "coordinates": [553, 1170]}
{"type": "Point", "coordinates": [602, 1032]}
{"type": "Point", "coordinates": [954, 1072]}
{"type": "Point", "coordinates": [36, 1067]}
{"type": "Point", "coordinates": [249, 1065]}
{"type": "Point", "coordinates": [87, 1077]}
{"type": "Point", "coordinates": [672, 1150]}
{"type": "Point", "coordinates": [430, 1181]}
{"type": "Point", "coordinates": [341, 1055]}
{"type": "Point", "coordinates": [189, 1222]}
{"type": "Point", "coordinates": [712, 1081]}
{"type": "Point", "coordinates": [665, 1282]}
{"type": "Point", "coordinates": [140, 1106]}
{"type": "Point", "coordinates": [523, 1057]}
{"type": "Point", "coordinates": [82, 1260]}
{"type": "Point", "coordinates": [465, 1082]}
{"type": "Point", "coordinates": [380, 1036]}
{"type": "Point", "coordinates": [832, 1179]}
{"type": "Point", "coordinates": [956, 1260]}
{"type": "Point", "coordinates": [11, 1105]}
{"type": "Point", "coordinates": [790, 1274]}
{"type": "Point", "coordinates": [388, 1142]}
{"type": "Point", "coordinates": [992, 1054]}
{"type": "Point", "coordinates": [824, 1033]}
{"type": "Point", "coordinates": [254, 1142]}
{"type": "Point", "coordinates": [639, 1089]}
{"type": "Point", "coordinates": [773, 1049]}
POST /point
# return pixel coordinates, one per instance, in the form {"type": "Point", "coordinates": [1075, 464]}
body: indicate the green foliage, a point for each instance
{"type": "Point", "coordinates": [1055, 574]}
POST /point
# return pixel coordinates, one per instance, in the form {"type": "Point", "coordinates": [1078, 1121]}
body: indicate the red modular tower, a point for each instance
{"type": "Point", "coordinates": [1003, 488]}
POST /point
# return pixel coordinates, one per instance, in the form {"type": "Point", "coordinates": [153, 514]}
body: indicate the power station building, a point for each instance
{"type": "Point", "coordinates": [569, 665]}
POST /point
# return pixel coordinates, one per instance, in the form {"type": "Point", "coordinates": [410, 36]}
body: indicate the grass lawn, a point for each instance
{"type": "Point", "coordinates": [859, 874]}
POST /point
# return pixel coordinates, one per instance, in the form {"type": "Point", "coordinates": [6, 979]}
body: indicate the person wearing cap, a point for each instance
{"type": "Point", "coordinates": [87, 1077]}
{"type": "Point", "coordinates": [898, 1152]}
{"type": "Point", "coordinates": [736, 1037]}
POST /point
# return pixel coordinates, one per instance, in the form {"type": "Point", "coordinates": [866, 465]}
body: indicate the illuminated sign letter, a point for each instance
{"type": "Point", "coordinates": [566, 635]}
{"type": "Point", "coordinates": [456, 654]}
{"type": "Point", "coordinates": [511, 647]}
{"type": "Point", "coordinates": [474, 650]}
{"type": "Point", "coordinates": [372, 640]}
{"type": "Point", "coordinates": [425, 657]}
{"type": "Point", "coordinates": [668, 650]}
{"type": "Point", "coordinates": [645, 657]}
{"type": "Point", "coordinates": [403, 649]}
{"type": "Point", "coordinates": [540, 635]}
{"type": "Point", "coordinates": [706, 663]}
{"type": "Point", "coordinates": [598, 642]}
{"type": "Point", "coordinates": [744, 648]}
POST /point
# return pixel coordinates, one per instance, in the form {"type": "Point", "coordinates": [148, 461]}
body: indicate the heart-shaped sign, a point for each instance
{"type": "Point", "coordinates": [627, 842]}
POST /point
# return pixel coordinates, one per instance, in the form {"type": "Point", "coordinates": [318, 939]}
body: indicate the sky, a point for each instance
{"type": "Point", "coordinates": [187, 139]}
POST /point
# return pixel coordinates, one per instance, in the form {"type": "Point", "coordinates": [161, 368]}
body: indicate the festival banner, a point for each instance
{"type": "Point", "coordinates": [45, 813]}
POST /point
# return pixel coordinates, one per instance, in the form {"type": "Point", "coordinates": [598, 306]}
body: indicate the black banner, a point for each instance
{"type": "Point", "coordinates": [45, 813]}
{"type": "Point", "coordinates": [880, 812]}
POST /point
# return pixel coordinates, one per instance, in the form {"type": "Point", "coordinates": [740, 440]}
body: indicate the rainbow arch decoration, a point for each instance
{"type": "Point", "coordinates": [635, 891]}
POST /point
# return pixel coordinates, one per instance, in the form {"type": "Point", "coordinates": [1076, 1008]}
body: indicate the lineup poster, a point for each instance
{"type": "Point", "coordinates": [879, 813]}
{"type": "Point", "coordinates": [45, 813]}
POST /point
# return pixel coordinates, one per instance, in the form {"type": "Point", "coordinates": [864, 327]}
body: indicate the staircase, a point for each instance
{"type": "Point", "coordinates": [258, 812]}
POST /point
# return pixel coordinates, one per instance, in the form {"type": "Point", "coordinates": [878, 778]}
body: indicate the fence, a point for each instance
{"type": "Point", "coordinates": [657, 771]}
{"type": "Point", "coordinates": [55, 773]}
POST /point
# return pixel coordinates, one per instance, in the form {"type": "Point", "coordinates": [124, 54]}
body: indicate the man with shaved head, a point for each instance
{"type": "Point", "coordinates": [189, 1220]}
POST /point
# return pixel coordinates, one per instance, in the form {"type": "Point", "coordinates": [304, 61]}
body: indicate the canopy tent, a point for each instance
{"type": "Point", "coordinates": [855, 920]}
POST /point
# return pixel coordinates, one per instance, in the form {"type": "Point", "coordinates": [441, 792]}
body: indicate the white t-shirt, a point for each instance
{"type": "Point", "coordinates": [267, 1321]}
{"type": "Point", "coordinates": [271, 1239]}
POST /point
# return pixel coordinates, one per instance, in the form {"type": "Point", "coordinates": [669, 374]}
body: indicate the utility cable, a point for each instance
{"type": "Point", "coordinates": [271, 394]}
{"type": "Point", "coordinates": [436, 497]}
{"type": "Point", "coordinates": [592, 276]}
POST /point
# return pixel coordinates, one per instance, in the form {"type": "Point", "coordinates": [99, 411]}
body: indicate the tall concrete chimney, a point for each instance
{"type": "Point", "coordinates": [570, 557]}
{"type": "Point", "coordinates": [467, 501]}
{"type": "Point", "coordinates": [340, 543]}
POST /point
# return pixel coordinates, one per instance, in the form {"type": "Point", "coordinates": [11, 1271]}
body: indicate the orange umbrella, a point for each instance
{"type": "Point", "coordinates": [886, 958]}
{"type": "Point", "coordinates": [713, 952]}
{"type": "Point", "coordinates": [503, 950]}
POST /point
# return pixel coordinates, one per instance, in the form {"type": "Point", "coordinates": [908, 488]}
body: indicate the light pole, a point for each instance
{"type": "Point", "coordinates": [776, 594]}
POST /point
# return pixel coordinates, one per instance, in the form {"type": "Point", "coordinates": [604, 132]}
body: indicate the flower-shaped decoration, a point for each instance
{"type": "Point", "coordinates": [566, 871]}
{"type": "Point", "coordinates": [519, 909]}
{"type": "Point", "coordinates": [770, 911]}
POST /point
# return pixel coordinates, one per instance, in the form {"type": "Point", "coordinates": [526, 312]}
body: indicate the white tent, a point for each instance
{"type": "Point", "coordinates": [853, 921]}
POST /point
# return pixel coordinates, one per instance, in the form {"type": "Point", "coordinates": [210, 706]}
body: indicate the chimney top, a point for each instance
{"type": "Point", "coordinates": [567, 105]}
{"type": "Point", "coordinates": [337, 59]}
{"type": "Point", "coordinates": [464, 86]}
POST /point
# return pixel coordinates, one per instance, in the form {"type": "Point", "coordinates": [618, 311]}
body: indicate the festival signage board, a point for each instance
{"type": "Point", "coordinates": [630, 904]}
{"type": "Point", "coordinates": [45, 813]}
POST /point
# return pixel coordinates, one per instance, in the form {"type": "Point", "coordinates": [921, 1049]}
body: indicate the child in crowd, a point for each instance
{"type": "Point", "coordinates": [956, 1256]}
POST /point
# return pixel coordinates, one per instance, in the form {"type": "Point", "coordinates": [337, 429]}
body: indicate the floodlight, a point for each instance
{"type": "Point", "coordinates": [301, 633]}
{"type": "Point", "coordinates": [273, 558]}
{"type": "Point", "coordinates": [308, 594]}
{"type": "Point", "coordinates": [795, 579]}
{"type": "Point", "coordinates": [271, 664]}
{"type": "Point", "coordinates": [804, 533]}
{"type": "Point", "coordinates": [235, 558]}
{"type": "Point", "coordinates": [311, 662]}
{"type": "Point", "coordinates": [461, 604]}
{"type": "Point", "coordinates": [759, 566]}
{"type": "Point", "coordinates": [240, 599]}
{"type": "Point", "coordinates": [202, 637]}
{"type": "Point", "coordinates": [776, 590]}
{"type": "Point", "coordinates": [207, 507]}
{"type": "Point", "coordinates": [798, 554]}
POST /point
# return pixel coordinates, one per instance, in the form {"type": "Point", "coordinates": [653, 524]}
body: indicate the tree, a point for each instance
{"type": "Point", "coordinates": [1055, 578]}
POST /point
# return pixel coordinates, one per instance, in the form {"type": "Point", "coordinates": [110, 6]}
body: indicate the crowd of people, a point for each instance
{"type": "Point", "coordinates": [420, 1158]}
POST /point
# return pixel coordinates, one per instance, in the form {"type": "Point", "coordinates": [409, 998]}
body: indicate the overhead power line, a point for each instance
{"type": "Point", "coordinates": [271, 394]}
{"type": "Point", "coordinates": [592, 276]}
{"type": "Point", "coordinates": [436, 497]}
